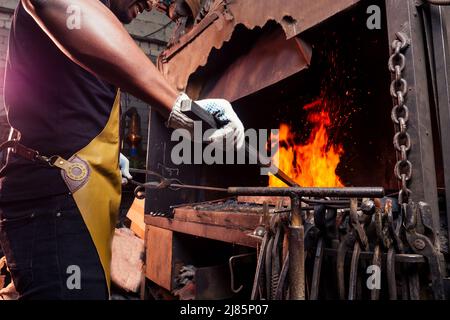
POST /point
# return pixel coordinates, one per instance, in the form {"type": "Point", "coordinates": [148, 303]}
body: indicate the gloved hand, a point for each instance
{"type": "Point", "coordinates": [124, 165]}
{"type": "Point", "coordinates": [230, 126]}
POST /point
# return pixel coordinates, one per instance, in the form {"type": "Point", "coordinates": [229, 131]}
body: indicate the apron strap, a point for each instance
{"type": "Point", "coordinates": [25, 152]}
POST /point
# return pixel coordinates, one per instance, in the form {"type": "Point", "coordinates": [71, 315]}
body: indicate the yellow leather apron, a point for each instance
{"type": "Point", "coordinates": [93, 176]}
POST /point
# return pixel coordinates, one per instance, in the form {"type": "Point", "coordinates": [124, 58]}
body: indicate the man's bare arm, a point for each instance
{"type": "Point", "coordinates": [103, 46]}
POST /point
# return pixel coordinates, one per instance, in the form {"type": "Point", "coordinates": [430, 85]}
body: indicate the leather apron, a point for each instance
{"type": "Point", "coordinates": [93, 176]}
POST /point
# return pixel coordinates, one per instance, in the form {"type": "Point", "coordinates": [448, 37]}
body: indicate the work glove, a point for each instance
{"type": "Point", "coordinates": [124, 165]}
{"type": "Point", "coordinates": [230, 126]}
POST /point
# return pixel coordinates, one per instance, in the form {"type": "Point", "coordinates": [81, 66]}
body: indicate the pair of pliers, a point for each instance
{"type": "Point", "coordinates": [162, 182]}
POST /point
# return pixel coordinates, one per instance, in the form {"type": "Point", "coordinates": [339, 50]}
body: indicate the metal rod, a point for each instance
{"type": "Point", "coordinates": [366, 192]}
{"type": "Point", "coordinates": [259, 267]}
{"type": "Point", "coordinates": [274, 170]}
{"type": "Point", "coordinates": [282, 281]}
{"type": "Point", "coordinates": [296, 263]}
{"type": "Point", "coordinates": [442, 94]}
{"type": "Point", "coordinates": [296, 252]}
{"type": "Point", "coordinates": [366, 255]}
{"type": "Point", "coordinates": [230, 264]}
{"type": "Point", "coordinates": [328, 202]}
{"type": "Point", "coordinates": [285, 178]}
{"type": "Point", "coordinates": [376, 261]}
{"type": "Point", "coordinates": [268, 268]}
{"type": "Point", "coordinates": [340, 267]}
{"type": "Point", "coordinates": [296, 220]}
{"type": "Point", "coordinates": [315, 283]}
{"type": "Point", "coordinates": [354, 272]}
{"type": "Point", "coordinates": [375, 192]}
{"type": "Point", "coordinates": [390, 270]}
{"type": "Point", "coordinates": [188, 186]}
{"type": "Point", "coordinates": [139, 170]}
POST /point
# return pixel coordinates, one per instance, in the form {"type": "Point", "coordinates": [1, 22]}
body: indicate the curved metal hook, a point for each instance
{"type": "Point", "coordinates": [230, 263]}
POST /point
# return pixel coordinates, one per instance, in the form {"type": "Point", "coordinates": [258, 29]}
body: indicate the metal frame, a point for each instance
{"type": "Point", "coordinates": [439, 59]}
{"type": "Point", "coordinates": [404, 16]}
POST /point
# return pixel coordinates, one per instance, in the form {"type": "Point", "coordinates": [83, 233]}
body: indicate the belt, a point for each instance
{"type": "Point", "coordinates": [74, 172]}
{"type": "Point", "coordinates": [27, 153]}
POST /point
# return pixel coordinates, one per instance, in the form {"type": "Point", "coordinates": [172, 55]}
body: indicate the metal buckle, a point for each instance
{"type": "Point", "coordinates": [46, 160]}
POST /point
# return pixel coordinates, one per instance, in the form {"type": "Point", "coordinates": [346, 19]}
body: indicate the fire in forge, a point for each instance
{"type": "Point", "coordinates": [227, 150]}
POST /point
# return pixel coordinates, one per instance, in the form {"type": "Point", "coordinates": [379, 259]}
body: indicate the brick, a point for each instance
{"type": "Point", "coordinates": [10, 4]}
{"type": "Point", "coordinates": [4, 32]}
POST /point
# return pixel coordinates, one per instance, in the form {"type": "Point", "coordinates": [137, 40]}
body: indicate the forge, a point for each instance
{"type": "Point", "coordinates": [336, 70]}
{"type": "Point", "coordinates": [320, 75]}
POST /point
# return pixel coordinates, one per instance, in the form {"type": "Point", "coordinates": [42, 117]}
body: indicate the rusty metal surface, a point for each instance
{"type": "Point", "coordinates": [219, 233]}
{"type": "Point", "coordinates": [351, 192]}
{"type": "Point", "coordinates": [265, 65]}
{"type": "Point", "coordinates": [235, 220]}
{"type": "Point", "coordinates": [294, 16]}
{"type": "Point", "coordinates": [232, 227]}
{"type": "Point", "coordinates": [182, 60]}
{"type": "Point", "coordinates": [296, 263]}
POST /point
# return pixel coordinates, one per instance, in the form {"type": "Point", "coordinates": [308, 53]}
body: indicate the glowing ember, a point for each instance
{"type": "Point", "coordinates": [314, 163]}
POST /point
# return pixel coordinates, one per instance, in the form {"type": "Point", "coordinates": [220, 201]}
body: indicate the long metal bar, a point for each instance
{"type": "Point", "coordinates": [361, 241]}
{"type": "Point", "coordinates": [376, 261]}
{"type": "Point", "coordinates": [367, 255]}
{"type": "Point", "coordinates": [354, 271]}
{"type": "Point", "coordinates": [315, 283]}
{"type": "Point", "coordinates": [154, 185]}
{"type": "Point", "coordinates": [259, 267]}
{"type": "Point", "coordinates": [340, 267]}
{"type": "Point", "coordinates": [439, 18]}
{"type": "Point", "coordinates": [391, 276]}
{"type": "Point", "coordinates": [354, 192]}
{"type": "Point", "coordinates": [282, 282]}
{"type": "Point", "coordinates": [296, 253]}
{"type": "Point", "coordinates": [404, 16]}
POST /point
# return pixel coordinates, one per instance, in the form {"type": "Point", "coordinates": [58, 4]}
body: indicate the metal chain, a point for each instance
{"type": "Point", "coordinates": [400, 115]}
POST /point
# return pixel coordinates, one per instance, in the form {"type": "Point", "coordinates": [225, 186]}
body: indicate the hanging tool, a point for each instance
{"type": "Point", "coordinates": [346, 241]}
{"type": "Point", "coordinates": [424, 245]}
{"type": "Point", "coordinates": [231, 264]}
{"type": "Point", "coordinates": [321, 223]}
{"type": "Point", "coordinates": [392, 242]}
{"type": "Point", "coordinates": [277, 230]}
{"type": "Point", "coordinates": [259, 274]}
{"type": "Point", "coordinates": [315, 283]}
{"type": "Point", "coordinates": [260, 268]}
{"type": "Point", "coordinates": [268, 267]}
{"type": "Point", "coordinates": [360, 243]}
{"type": "Point", "coordinates": [281, 287]}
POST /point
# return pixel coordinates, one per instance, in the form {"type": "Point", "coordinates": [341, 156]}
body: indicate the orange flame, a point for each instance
{"type": "Point", "coordinates": [314, 163]}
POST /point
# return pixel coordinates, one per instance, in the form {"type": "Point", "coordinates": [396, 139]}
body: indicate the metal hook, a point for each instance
{"type": "Point", "coordinates": [230, 263]}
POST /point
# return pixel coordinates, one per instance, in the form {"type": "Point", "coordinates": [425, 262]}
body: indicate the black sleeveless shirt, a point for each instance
{"type": "Point", "coordinates": [57, 106]}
